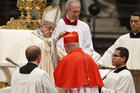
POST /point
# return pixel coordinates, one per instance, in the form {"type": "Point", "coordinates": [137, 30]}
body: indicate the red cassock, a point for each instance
{"type": "Point", "coordinates": [73, 71]}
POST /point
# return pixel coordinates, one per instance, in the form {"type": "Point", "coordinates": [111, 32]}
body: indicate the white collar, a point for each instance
{"type": "Point", "coordinates": [34, 63]}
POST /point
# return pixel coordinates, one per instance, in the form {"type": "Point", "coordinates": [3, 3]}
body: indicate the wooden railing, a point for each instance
{"type": "Point", "coordinates": [136, 78]}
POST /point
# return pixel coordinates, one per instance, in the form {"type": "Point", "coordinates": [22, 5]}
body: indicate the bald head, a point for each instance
{"type": "Point", "coordinates": [69, 47]}
{"type": "Point", "coordinates": [32, 53]}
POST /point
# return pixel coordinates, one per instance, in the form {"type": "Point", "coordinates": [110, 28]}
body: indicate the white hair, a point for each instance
{"type": "Point", "coordinates": [68, 3]}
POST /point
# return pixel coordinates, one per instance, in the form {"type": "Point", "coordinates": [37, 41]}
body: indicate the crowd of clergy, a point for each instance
{"type": "Point", "coordinates": [70, 63]}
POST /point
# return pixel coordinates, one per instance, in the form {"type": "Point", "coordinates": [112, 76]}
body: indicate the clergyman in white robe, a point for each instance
{"type": "Point", "coordinates": [129, 41]}
{"type": "Point", "coordinates": [84, 33]}
{"type": "Point", "coordinates": [37, 81]}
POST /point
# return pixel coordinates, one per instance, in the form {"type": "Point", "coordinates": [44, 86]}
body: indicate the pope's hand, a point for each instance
{"type": "Point", "coordinates": [61, 35]}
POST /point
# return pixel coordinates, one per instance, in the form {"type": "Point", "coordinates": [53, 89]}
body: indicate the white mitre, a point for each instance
{"type": "Point", "coordinates": [51, 15]}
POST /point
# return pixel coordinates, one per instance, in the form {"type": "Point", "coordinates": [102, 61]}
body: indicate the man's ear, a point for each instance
{"type": "Point", "coordinates": [66, 10]}
{"type": "Point", "coordinates": [124, 59]}
{"type": "Point", "coordinates": [39, 59]}
{"type": "Point", "coordinates": [41, 26]}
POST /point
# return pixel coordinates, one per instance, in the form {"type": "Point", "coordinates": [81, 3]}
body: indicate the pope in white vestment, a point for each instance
{"type": "Point", "coordinates": [48, 61]}
{"type": "Point", "coordinates": [49, 53]}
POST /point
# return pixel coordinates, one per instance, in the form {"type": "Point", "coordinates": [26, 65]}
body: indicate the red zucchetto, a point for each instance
{"type": "Point", "coordinates": [71, 37]}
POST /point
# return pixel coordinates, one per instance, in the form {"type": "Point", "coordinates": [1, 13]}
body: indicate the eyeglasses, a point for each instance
{"type": "Point", "coordinates": [135, 21]}
{"type": "Point", "coordinates": [74, 11]}
{"type": "Point", "coordinates": [114, 55]}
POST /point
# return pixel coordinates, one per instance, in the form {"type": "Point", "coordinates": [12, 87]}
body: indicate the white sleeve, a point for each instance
{"type": "Point", "coordinates": [47, 85]}
{"type": "Point", "coordinates": [57, 30]}
{"type": "Point", "coordinates": [88, 45]}
{"type": "Point", "coordinates": [105, 90]}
